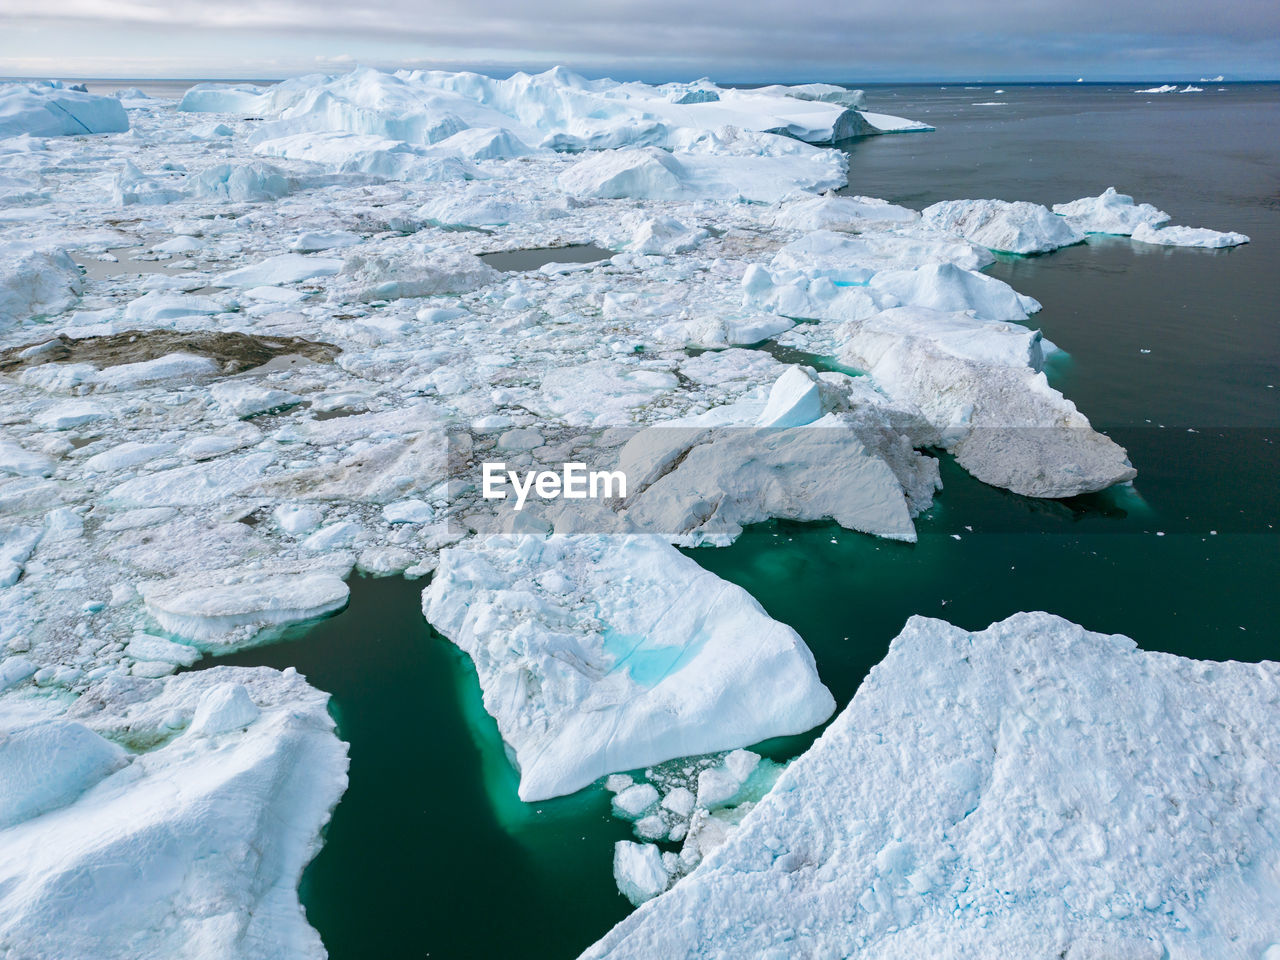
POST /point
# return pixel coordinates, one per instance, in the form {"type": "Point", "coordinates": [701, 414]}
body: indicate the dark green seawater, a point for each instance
{"type": "Point", "coordinates": [430, 854]}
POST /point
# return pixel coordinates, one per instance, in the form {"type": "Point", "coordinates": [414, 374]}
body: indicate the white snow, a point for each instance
{"type": "Point", "coordinates": [588, 673]}
{"type": "Point", "coordinates": [984, 794]}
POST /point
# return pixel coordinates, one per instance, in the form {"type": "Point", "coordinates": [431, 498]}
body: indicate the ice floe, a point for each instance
{"type": "Point", "coordinates": [1110, 212]}
{"type": "Point", "coordinates": [190, 842]}
{"type": "Point", "coordinates": [1002, 226]}
{"type": "Point", "coordinates": [981, 795]}
{"type": "Point", "coordinates": [585, 679]}
{"type": "Point", "coordinates": [49, 108]}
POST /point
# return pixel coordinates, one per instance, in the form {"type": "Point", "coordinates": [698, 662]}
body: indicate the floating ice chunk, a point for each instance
{"type": "Point", "coordinates": [13, 670]}
{"type": "Point", "coordinates": [904, 830]}
{"type": "Point", "coordinates": [977, 383]}
{"type": "Point", "coordinates": [297, 519]}
{"type": "Point", "coordinates": [172, 366]}
{"type": "Point", "coordinates": [131, 186]}
{"type": "Point", "coordinates": [1163, 88]}
{"type": "Point", "coordinates": [158, 308]}
{"type": "Point", "coordinates": [227, 823]}
{"type": "Point", "coordinates": [21, 462]}
{"type": "Point", "coordinates": [35, 283]}
{"type": "Point", "coordinates": [646, 174]}
{"type": "Point", "coordinates": [408, 511]}
{"type": "Point", "coordinates": [46, 108]}
{"type": "Point", "coordinates": [372, 156]}
{"type": "Point", "coordinates": [251, 182]}
{"type": "Point", "coordinates": [223, 98]}
{"type": "Point", "coordinates": [597, 676]}
{"type": "Point", "coordinates": [485, 143]}
{"type": "Point", "coordinates": [1110, 212]}
{"type": "Point", "coordinates": [415, 273]}
{"type": "Point", "coordinates": [679, 801]}
{"type": "Point", "coordinates": [794, 400]}
{"type": "Point", "coordinates": [638, 871]}
{"type": "Point", "coordinates": [49, 765]}
{"type": "Point", "coordinates": [130, 453]}
{"type": "Point", "coordinates": [1187, 236]}
{"type": "Point", "coordinates": [247, 399]}
{"type": "Point", "coordinates": [144, 646]}
{"type": "Point", "coordinates": [713, 332]}
{"type": "Point", "coordinates": [282, 268]}
{"type": "Point", "coordinates": [847, 259]}
{"type": "Point", "coordinates": [72, 413]}
{"type": "Point", "coordinates": [222, 708]}
{"type": "Point", "coordinates": [1003, 226]}
{"type": "Point", "coordinates": [218, 610]}
{"type": "Point", "coordinates": [705, 483]}
{"type": "Point", "coordinates": [841, 213]}
{"type": "Point", "coordinates": [632, 802]}
{"type": "Point", "coordinates": [482, 207]}
{"type": "Point", "coordinates": [887, 123]}
{"type": "Point", "coordinates": [664, 236]}
{"type": "Point", "coordinates": [946, 287]}
{"type": "Point", "coordinates": [313, 241]}
{"type": "Point", "coordinates": [212, 131]}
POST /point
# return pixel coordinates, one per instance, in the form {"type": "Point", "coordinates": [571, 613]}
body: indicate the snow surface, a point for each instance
{"type": "Point", "coordinates": [1030, 790]}
{"type": "Point", "coordinates": [585, 680]}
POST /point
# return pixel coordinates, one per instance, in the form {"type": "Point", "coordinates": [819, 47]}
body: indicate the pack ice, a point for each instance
{"type": "Point", "coordinates": [598, 654]}
{"type": "Point", "coordinates": [233, 352]}
{"type": "Point", "coordinates": [1029, 790]}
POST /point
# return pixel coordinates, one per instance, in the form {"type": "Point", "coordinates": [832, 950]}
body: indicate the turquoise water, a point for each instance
{"type": "Point", "coordinates": [430, 854]}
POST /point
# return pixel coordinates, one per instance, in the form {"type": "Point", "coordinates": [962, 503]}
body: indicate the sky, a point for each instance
{"type": "Point", "coordinates": [728, 40]}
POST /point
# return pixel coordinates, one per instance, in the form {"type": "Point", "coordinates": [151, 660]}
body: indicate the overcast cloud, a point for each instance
{"type": "Point", "coordinates": [664, 39]}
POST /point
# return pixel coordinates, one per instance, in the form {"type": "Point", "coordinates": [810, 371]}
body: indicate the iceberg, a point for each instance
{"type": "Point", "coordinates": [1003, 226]}
{"type": "Point", "coordinates": [1187, 236]}
{"type": "Point", "coordinates": [815, 449]}
{"type": "Point", "coordinates": [979, 384]}
{"type": "Point", "coordinates": [587, 677]}
{"type": "Point", "coordinates": [1024, 790]}
{"type": "Point", "coordinates": [1110, 212]}
{"type": "Point", "coordinates": [36, 283]}
{"type": "Point", "coordinates": [221, 610]}
{"type": "Point", "coordinates": [557, 108]}
{"type": "Point", "coordinates": [47, 108]}
{"type": "Point", "coordinates": [192, 842]}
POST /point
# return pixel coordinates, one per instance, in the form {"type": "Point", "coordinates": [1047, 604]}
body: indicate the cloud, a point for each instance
{"type": "Point", "coordinates": [845, 40]}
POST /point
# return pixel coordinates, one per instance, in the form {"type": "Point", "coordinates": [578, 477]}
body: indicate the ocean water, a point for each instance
{"type": "Point", "coordinates": [1175, 352]}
